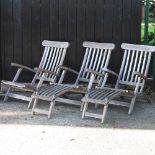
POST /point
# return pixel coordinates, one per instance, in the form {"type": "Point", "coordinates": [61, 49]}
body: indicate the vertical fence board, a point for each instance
{"type": "Point", "coordinates": [27, 39]}
{"type": "Point", "coordinates": [8, 37]}
{"type": "Point", "coordinates": [54, 19]}
{"type": "Point", "coordinates": [36, 32]}
{"type": "Point", "coordinates": [25, 23]}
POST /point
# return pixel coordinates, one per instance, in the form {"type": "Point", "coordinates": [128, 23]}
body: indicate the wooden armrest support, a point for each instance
{"type": "Point", "coordinates": [109, 71]}
{"type": "Point", "coordinates": [68, 69]}
{"type": "Point", "coordinates": [95, 72]}
{"type": "Point", "coordinates": [45, 71]}
{"type": "Point", "coordinates": [141, 76]}
{"type": "Point", "coordinates": [22, 66]}
{"type": "Point", "coordinates": [149, 79]}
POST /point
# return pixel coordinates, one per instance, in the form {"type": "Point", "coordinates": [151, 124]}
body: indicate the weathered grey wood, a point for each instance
{"type": "Point", "coordinates": [105, 109]}
{"type": "Point", "coordinates": [67, 69]}
{"type": "Point", "coordinates": [14, 79]}
{"type": "Point", "coordinates": [54, 54]}
{"type": "Point", "coordinates": [68, 101]}
{"type": "Point", "coordinates": [110, 72]}
{"type": "Point", "coordinates": [98, 45]}
{"type": "Point", "coordinates": [20, 86]}
{"type": "Point", "coordinates": [119, 103]}
{"type": "Point", "coordinates": [133, 72]}
{"type": "Point", "coordinates": [138, 47]}
{"type": "Point", "coordinates": [89, 114]}
{"type": "Point", "coordinates": [34, 105]}
{"type": "Point", "coordinates": [40, 111]}
{"type": "Point", "coordinates": [22, 67]}
{"type": "Point", "coordinates": [94, 51]}
{"type": "Point", "coordinates": [84, 109]}
{"type": "Point", "coordinates": [56, 44]}
{"type": "Point", "coordinates": [50, 109]}
{"type": "Point", "coordinates": [20, 97]}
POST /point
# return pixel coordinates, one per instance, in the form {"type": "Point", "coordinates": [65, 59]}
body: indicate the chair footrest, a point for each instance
{"type": "Point", "coordinates": [18, 96]}
{"type": "Point", "coordinates": [93, 115]}
{"type": "Point", "coordinates": [15, 84]}
{"type": "Point", "coordinates": [40, 111]}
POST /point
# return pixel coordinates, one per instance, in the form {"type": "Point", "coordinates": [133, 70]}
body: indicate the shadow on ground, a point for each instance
{"type": "Point", "coordinates": [15, 112]}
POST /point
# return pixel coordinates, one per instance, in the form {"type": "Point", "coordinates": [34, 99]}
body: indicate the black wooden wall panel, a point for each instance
{"type": "Point", "coordinates": [25, 23]}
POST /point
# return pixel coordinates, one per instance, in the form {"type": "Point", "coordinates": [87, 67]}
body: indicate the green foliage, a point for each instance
{"type": "Point", "coordinates": [151, 26]}
{"type": "Point", "coordinates": [150, 33]}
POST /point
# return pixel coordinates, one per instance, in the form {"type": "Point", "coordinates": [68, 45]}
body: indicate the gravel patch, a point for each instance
{"type": "Point", "coordinates": [16, 112]}
{"type": "Point", "coordinates": [67, 134]}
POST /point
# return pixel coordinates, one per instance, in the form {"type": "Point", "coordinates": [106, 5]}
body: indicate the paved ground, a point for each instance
{"type": "Point", "coordinates": [67, 134]}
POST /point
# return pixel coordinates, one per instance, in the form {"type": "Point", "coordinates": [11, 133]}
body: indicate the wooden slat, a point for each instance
{"type": "Point", "coordinates": [126, 65]}
{"type": "Point", "coordinates": [134, 68]}
{"type": "Point", "coordinates": [138, 47]}
{"type": "Point", "coordinates": [55, 44]}
{"type": "Point", "coordinates": [69, 101]}
{"type": "Point", "coordinates": [93, 115]}
{"type": "Point", "coordinates": [21, 97]}
{"type": "Point", "coordinates": [99, 45]}
{"type": "Point", "coordinates": [139, 65]}
{"type": "Point", "coordinates": [119, 103]}
{"type": "Point", "coordinates": [91, 61]}
{"type": "Point", "coordinates": [130, 65]}
{"type": "Point", "coordinates": [87, 61]}
{"type": "Point", "coordinates": [40, 111]}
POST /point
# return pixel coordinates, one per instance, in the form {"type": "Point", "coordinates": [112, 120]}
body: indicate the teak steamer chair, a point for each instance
{"type": "Point", "coordinates": [54, 55]}
{"type": "Point", "coordinates": [97, 56]}
{"type": "Point", "coordinates": [133, 74]}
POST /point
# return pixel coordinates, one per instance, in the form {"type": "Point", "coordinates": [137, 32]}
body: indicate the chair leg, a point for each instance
{"type": "Point", "coordinates": [50, 109]}
{"type": "Point", "coordinates": [6, 95]}
{"type": "Point", "coordinates": [148, 98]}
{"type": "Point", "coordinates": [96, 106]}
{"type": "Point", "coordinates": [34, 105]}
{"type": "Point", "coordinates": [84, 109]}
{"type": "Point", "coordinates": [82, 105]}
{"type": "Point", "coordinates": [30, 103]}
{"type": "Point", "coordinates": [104, 112]}
{"type": "Point", "coordinates": [132, 104]}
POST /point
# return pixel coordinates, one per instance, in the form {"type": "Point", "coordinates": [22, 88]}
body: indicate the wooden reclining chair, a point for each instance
{"type": "Point", "coordinates": [97, 56]}
{"type": "Point", "coordinates": [54, 55]}
{"type": "Point", "coordinates": [130, 82]}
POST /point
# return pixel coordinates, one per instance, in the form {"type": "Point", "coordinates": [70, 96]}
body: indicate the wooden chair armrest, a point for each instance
{"type": "Point", "coordinates": [95, 72]}
{"type": "Point", "coordinates": [68, 69]}
{"type": "Point", "coordinates": [109, 72]}
{"type": "Point", "coordinates": [141, 76]}
{"type": "Point", "coordinates": [45, 71]}
{"type": "Point", "coordinates": [22, 66]}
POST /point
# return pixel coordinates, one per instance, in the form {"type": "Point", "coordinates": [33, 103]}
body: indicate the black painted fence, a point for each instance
{"type": "Point", "coordinates": [25, 23]}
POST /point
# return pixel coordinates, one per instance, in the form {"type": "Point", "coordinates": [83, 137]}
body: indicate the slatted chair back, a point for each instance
{"type": "Point", "coordinates": [54, 55]}
{"type": "Point", "coordinates": [136, 59]}
{"type": "Point", "coordinates": [97, 56]}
